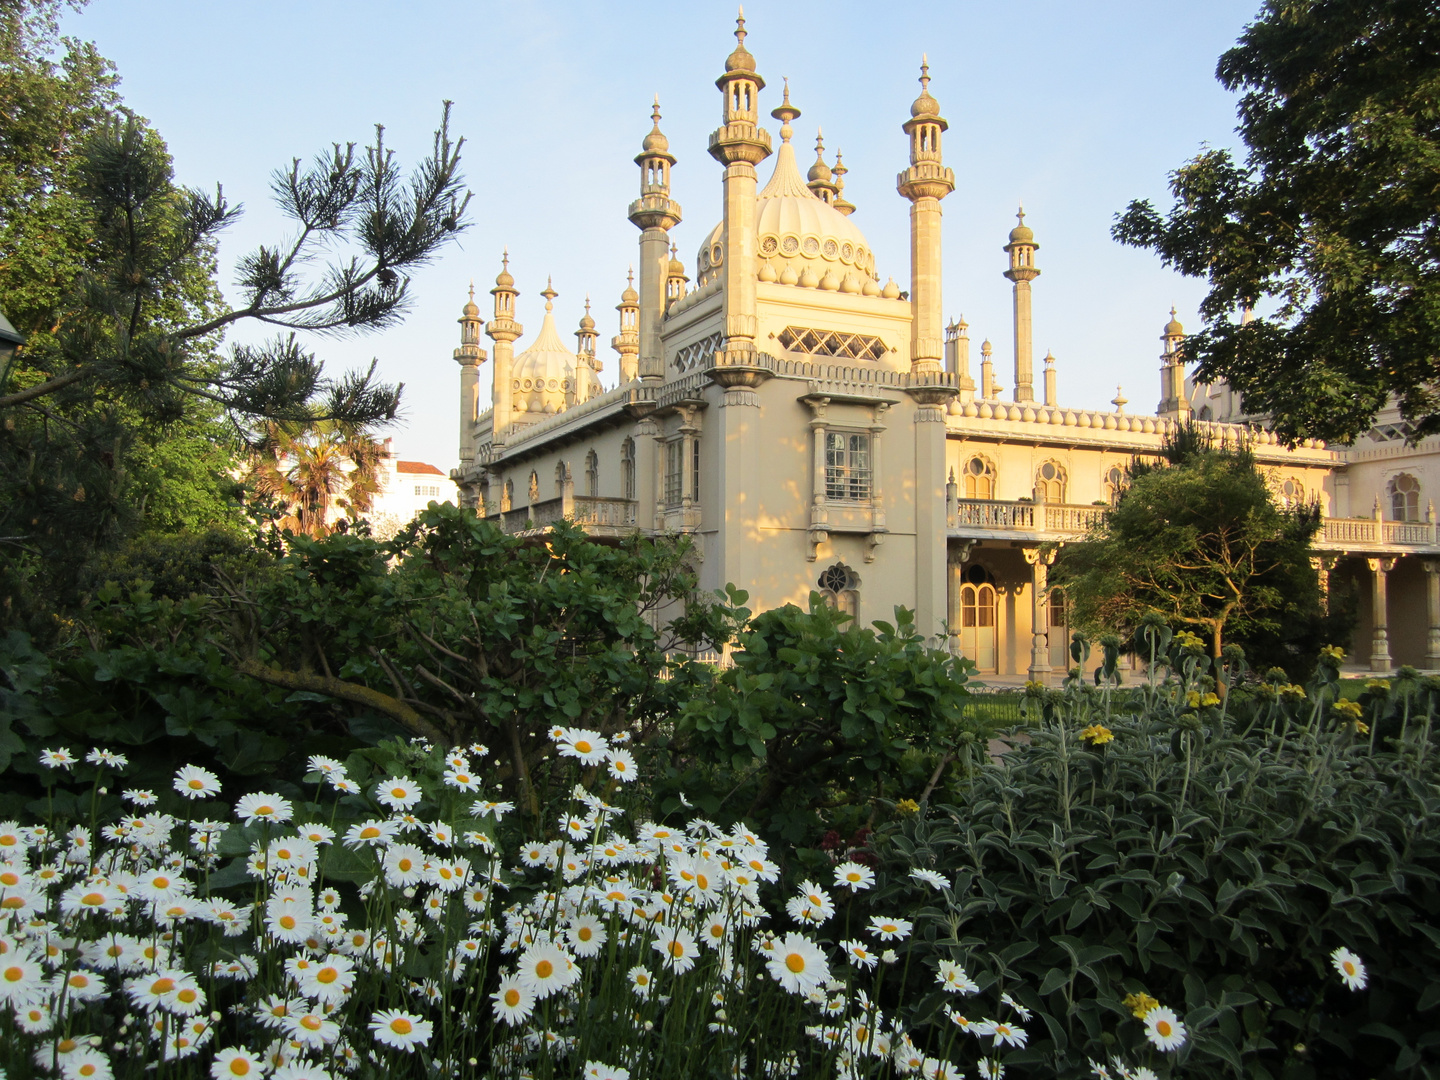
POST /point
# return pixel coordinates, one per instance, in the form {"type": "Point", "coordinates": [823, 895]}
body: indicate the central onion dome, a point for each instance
{"type": "Point", "coordinates": [543, 376]}
{"type": "Point", "coordinates": [801, 239]}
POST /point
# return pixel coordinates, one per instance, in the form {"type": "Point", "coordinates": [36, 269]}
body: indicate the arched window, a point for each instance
{"type": "Point", "coordinates": [534, 488]}
{"type": "Point", "coordinates": [1292, 492]}
{"type": "Point", "coordinates": [841, 588]}
{"type": "Point", "coordinates": [1405, 498]}
{"type": "Point", "coordinates": [507, 496]}
{"type": "Point", "coordinates": [627, 467]}
{"type": "Point", "coordinates": [561, 473]}
{"type": "Point", "coordinates": [592, 474]}
{"type": "Point", "coordinates": [979, 478]}
{"type": "Point", "coordinates": [978, 629]}
{"type": "Point", "coordinates": [1050, 482]}
{"type": "Point", "coordinates": [1114, 484]}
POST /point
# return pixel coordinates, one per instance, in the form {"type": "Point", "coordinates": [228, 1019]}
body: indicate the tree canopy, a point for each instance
{"type": "Point", "coordinates": [1329, 230]}
{"type": "Point", "coordinates": [1198, 540]}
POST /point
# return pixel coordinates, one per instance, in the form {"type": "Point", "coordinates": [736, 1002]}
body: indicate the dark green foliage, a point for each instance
{"type": "Point", "coordinates": [820, 719]}
{"type": "Point", "coordinates": [1211, 861]}
{"type": "Point", "coordinates": [1198, 540]}
{"type": "Point", "coordinates": [1329, 227]}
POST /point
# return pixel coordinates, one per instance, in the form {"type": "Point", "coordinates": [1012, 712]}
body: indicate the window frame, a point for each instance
{"type": "Point", "coordinates": [845, 480]}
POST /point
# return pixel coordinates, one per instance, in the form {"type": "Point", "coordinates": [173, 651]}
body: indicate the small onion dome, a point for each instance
{"type": "Point", "coordinates": [1022, 233]}
{"type": "Point", "coordinates": [586, 322]}
{"type": "Point", "coordinates": [503, 279]}
{"type": "Point", "coordinates": [630, 296]}
{"type": "Point", "coordinates": [676, 268]}
{"type": "Point", "coordinates": [925, 105]}
{"type": "Point", "coordinates": [470, 311]}
{"type": "Point", "coordinates": [656, 140]}
{"type": "Point", "coordinates": [1173, 327]}
{"type": "Point", "coordinates": [740, 59]}
{"type": "Point", "coordinates": [819, 171]}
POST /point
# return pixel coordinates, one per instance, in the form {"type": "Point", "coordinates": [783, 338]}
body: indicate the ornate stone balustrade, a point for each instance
{"type": "Point", "coordinates": [597, 515]}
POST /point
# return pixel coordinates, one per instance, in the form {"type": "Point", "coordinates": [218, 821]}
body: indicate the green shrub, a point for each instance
{"type": "Point", "coordinates": [1210, 860]}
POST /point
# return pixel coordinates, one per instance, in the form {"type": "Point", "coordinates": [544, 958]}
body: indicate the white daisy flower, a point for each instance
{"type": "Point", "coordinates": [858, 954]}
{"type": "Point", "coordinates": [798, 964]}
{"type": "Point", "coordinates": [194, 782]}
{"type": "Point", "coordinates": [621, 765]}
{"type": "Point", "coordinates": [398, 793]}
{"type": "Point", "coordinates": [890, 929]}
{"type": "Point", "coordinates": [402, 1030]}
{"type": "Point", "coordinates": [262, 806]}
{"type": "Point", "coordinates": [931, 878]}
{"type": "Point", "coordinates": [954, 979]}
{"type": "Point", "coordinates": [811, 905]}
{"type": "Point", "coordinates": [1164, 1029]}
{"type": "Point", "coordinates": [854, 876]}
{"type": "Point", "coordinates": [544, 968]}
{"type": "Point", "coordinates": [514, 1002]}
{"type": "Point", "coordinates": [677, 948]}
{"type": "Point", "coordinates": [373, 833]}
{"type": "Point", "coordinates": [1351, 968]}
{"type": "Point", "coordinates": [59, 758]}
{"type": "Point", "coordinates": [589, 747]}
{"type": "Point", "coordinates": [586, 935]}
{"type": "Point", "coordinates": [641, 981]}
{"type": "Point", "coordinates": [235, 1063]}
{"type": "Point", "coordinates": [85, 1063]}
{"type": "Point", "coordinates": [1006, 1033]}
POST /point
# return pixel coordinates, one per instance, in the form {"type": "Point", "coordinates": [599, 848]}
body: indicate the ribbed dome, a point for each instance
{"type": "Point", "coordinates": [796, 228]}
{"type": "Point", "coordinates": [543, 377]}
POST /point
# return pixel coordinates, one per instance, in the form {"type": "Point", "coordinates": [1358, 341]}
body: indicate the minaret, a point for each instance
{"type": "Point", "coordinates": [925, 183]}
{"type": "Point", "coordinates": [469, 356]}
{"type": "Point", "coordinates": [840, 203]}
{"type": "Point", "coordinates": [627, 342]}
{"type": "Point", "coordinates": [1174, 405]}
{"type": "Point", "coordinates": [988, 389]}
{"type": "Point", "coordinates": [586, 360]}
{"type": "Point", "coordinates": [675, 279]}
{"type": "Point", "coordinates": [819, 178]}
{"type": "Point", "coordinates": [1022, 248]}
{"type": "Point", "coordinates": [739, 144]}
{"type": "Point", "coordinates": [654, 214]}
{"type": "Point", "coordinates": [1050, 398]}
{"type": "Point", "coordinates": [503, 330]}
{"type": "Point", "coordinates": [957, 358]}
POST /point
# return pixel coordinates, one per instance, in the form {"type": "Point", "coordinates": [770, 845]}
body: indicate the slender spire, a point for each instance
{"type": "Point", "coordinates": [786, 114]}
{"type": "Point", "coordinates": [840, 202]}
{"type": "Point", "coordinates": [549, 293]}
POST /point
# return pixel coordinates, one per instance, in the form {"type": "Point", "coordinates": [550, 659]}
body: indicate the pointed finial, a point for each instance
{"type": "Point", "coordinates": [587, 303]}
{"type": "Point", "coordinates": [786, 114]}
{"type": "Point", "coordinates": [819, 140]}
{"type": "Point", "coordinates": [674, 251]}
{"type": "Point", "coordinates": [1119, 400]}
{"type": "Point", "coordinates": [472, 288]}
{"type": "Point", "coordinates": [1049, 358]}
{"type": "Point", "coordinates": [962, 324]}
{"type": "Point", "coordinates": [925, 72]}
{"type": "Point", "coordinates": [1020, 214]}
{"type": "Point", "coordinates": [549, 293]}
{"type": "Point", "coordinates": [655, 114]}
{"type": "Point", "coordinates": [630, 277]}
{"type": "Point", "coordinates": [740, 26]}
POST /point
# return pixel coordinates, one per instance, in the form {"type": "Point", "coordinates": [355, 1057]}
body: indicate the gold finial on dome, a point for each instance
{"type": "Point", "coordinates": [925, 105]}
{"type": "Point", "coordinates": [786, 114]}
{"type": "Point", "coordinates": [549, 293]}
{"type": "Point", "coordinates": [630, 296]}
{"type": "Point", "coordinates": [656, 140]}
{"type": "Point", "coordinates": [1022, 233]}
{"type": "Point", "coordinates": [503, 279]}
{"type": "Point", "coordinates": [1173, 327]}
{"type": "Point", "coordinates": [740, 59]}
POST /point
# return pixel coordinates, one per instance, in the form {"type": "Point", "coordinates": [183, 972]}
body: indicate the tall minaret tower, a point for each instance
{"type": "Point", "coordinates": [739, 143]}
{"type": "Point", "coordinates": [957, 358]}
{"type": "Point", "coordinates": [654, 214]}
{"type": "Point", "coordinates": [627, 342]}
{"type": "Point", "coordinates": [1174, 405]}
{"type": "Point", "coordinates": [587, 367]}
{"type": "Point", "coordinates": [925, 183]}
{"type": "Point", "coordinates": [1022, 248]}
{"type": "Point", "coordinates": [469, 356]}
{"type": "Point", "coordinates": [503, 330]}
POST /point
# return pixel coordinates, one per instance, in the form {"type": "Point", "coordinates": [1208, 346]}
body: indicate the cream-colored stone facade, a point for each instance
{"type": "Point", "coordinates": [814, 427]}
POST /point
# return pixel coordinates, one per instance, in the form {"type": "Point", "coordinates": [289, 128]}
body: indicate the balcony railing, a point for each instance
{"type": "Point", "coordinates": [591, 512]}
{"type": "Point", "coordinates": [1065, 521]}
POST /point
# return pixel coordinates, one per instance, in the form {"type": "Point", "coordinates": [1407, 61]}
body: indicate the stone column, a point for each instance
{"type": "Point", "coordinates": [469, 409]}
{"type": "Point", "coordinates": [1432, 611]}
{"type": "Point", "coordinates": [930, 526]}
{"type": "Point", "coordinates": [819, 504]}
{"type": "Point", "coordinates": [878, 527]}
{"type": "Point", "coordinates": [1380, 634]}
{"type": "Point", "coordinates": [952, 606]}
{"type": "Point", "coordinates": [739, 465]}
{"type": "Point", "coordinates": [1039, 614]}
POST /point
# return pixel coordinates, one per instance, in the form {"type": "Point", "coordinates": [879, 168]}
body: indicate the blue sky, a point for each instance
{"type": "Point", "coordinates": [1074, 108]}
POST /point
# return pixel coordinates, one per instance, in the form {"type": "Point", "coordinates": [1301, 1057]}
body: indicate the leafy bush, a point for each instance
{"type": "Point", "coordinates": [1211, 861]}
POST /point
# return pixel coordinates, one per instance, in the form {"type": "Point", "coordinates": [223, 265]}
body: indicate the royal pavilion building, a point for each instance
{"type": "Point", "coordinates": [814, 426]}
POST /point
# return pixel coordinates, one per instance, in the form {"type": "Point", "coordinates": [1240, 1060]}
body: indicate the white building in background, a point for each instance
{"type": "Point", "coordinates": [406, 488]}
{"type": "Point", "coordinates": [813, 429]}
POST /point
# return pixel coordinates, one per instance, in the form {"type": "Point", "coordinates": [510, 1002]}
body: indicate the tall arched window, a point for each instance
{"type": "Point", "coordinates": [978, 630]}
{"type": "Point", "coordinates": [561, 472]}
{"type": "Point", "coordinates": [627, 467]}
{"type": "Point", "coordinates": [1050, 482]}
{"type": "Point", "coordinates": [592, 474]}
{"type": "Point", "coordinates": [1405, 498]}
{"type": "Point", "coordinates": [534, 488]}
{"type": "Point", "coordinates": [979, 478]}
{"type": "Point", "coordinates": [841, 588]}
{"type": "Point", "coordinates": [1114, 484]}
{"type": "Point", "coordinates": [507, 496]}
